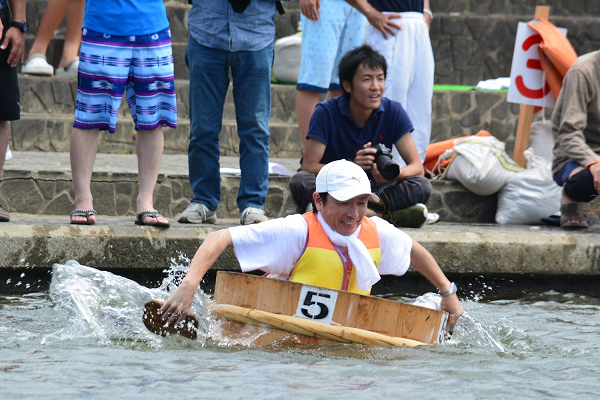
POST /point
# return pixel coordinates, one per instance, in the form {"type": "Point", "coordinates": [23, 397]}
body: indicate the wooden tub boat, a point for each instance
{"type": "Point", "coordinates": [314, 314]}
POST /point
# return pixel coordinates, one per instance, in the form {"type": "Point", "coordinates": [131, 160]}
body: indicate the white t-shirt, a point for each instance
{"type": "Point", "coordinates": [275, 246]}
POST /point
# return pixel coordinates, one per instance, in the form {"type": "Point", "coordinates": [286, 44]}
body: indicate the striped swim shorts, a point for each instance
{"type": "Point", "coordinates": [141, 66]}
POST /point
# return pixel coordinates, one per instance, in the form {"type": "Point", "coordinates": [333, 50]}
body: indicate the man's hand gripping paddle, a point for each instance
{"type": "Point", "coordinates": [153, 321]}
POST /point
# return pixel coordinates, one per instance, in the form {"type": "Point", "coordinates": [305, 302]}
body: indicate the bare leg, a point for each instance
{"type": "Point", "coordinates": [334, 93]}
{"type": "Point", "coordinates": [566, 199]}
{"type": "Point", "coordinates": [55, 12]}
{"type": "Point", "coordinates": [73, 35]}
{"type": "Point", "coordinates": [84, 145]}
{"type": "Point", "coordinates": [149, 148]}
{"type": "Point", "coordinates": [4, 136]}
{"type": "Point", "coordinates": [306, 101]}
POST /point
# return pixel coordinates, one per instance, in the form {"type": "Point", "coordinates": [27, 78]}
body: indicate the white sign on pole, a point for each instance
{"type": "Point", "coordinates": [527, 84]}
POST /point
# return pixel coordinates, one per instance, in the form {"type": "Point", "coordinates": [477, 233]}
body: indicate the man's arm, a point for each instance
{"type": "Point", "coordinates": [426, 15]}
{"type": "Point", "coordinates": [408, 151]}
{"type": "Point", "coordinates": [177, 306]}
{"type": "Point", "coordinates": [313, 153]}
{"type": "Point", "coordinates": [310, 9]}
{"type": "Point", "coordinates": [14, 36]}
{"type": "Point", "coordinates": [382, 22]}
{"type": "Point", "coordinates": [424, 263]}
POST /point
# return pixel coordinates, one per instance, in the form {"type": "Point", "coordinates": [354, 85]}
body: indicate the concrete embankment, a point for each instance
{"type": "Point", "coordinates": [486, 259]}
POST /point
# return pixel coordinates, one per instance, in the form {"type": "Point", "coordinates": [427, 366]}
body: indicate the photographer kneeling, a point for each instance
{"type": "Point", "coordinates": [362, 126]}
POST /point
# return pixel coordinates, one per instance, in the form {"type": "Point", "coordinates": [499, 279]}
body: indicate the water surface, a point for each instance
{"type": "Point", "coordinates": [85, 338]}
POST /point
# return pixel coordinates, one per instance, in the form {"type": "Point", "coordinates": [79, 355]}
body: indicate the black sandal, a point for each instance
{"type": "Point", "coordinates": [572, 216]}
{"type": "Point", "coordinates": [151, 214]}
{"type": "Point", "coordinates": [83, 213]}
{"type": "Point", "coordinates": [4, 215]}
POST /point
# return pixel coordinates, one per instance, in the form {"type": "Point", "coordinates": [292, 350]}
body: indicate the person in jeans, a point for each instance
{"type": "Point", "coordinates": [12, 49]}
{"type": "Point", "coordinates": [136, 58]}
{"type": "Point", "coordinates": [229, 37]}
{"type": "Point", "coordinates": [345, 127]}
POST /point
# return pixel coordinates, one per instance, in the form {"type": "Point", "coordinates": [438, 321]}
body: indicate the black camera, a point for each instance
{"type": "Point", "coordinates": [383, 158]}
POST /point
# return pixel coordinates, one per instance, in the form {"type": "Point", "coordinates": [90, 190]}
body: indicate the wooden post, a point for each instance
{"type": "Point", "coordinates": [526, 112]}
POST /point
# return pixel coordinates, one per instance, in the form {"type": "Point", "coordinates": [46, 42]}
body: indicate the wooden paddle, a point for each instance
{"type": "Point", "coordinates": [309, 327]}
{"type": "Point", "coordinates": [153, 321]}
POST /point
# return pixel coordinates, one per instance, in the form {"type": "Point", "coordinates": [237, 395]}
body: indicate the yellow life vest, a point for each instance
{"type": "Point", "coordinates": [321, 265]}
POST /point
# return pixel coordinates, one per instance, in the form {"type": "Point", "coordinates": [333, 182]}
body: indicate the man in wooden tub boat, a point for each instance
{"type": "Point", "coordinates": [333, 246]}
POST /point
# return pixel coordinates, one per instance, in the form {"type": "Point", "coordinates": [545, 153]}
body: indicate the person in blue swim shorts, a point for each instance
{"type": "Point", "coordinates": [136, 58]}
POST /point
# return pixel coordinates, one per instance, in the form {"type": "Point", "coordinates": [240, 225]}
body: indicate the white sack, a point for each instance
{"type": "Point", "coordinates": [481, 165]}
{"type": "Point", "coordinates": [530, 195]}
{"type": "Point", "coordinates": [541, 140]}
{"type": "Point", "coordinates": [286, 65]}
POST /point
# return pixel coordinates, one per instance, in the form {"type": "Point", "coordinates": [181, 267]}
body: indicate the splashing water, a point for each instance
{"type": "Point", "coordinates": [108, 308]}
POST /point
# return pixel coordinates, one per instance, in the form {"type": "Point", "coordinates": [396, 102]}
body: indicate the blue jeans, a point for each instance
{"type": "Point", "coordinates": [209, 80]}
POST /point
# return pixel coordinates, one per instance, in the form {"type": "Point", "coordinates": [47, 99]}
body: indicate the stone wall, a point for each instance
{"type": "Point", "coordinates": [51, 193]}
{"type": "Point", "coordinates": [471, 48]}
{"type": "Point", "coordinates": [517, 7]}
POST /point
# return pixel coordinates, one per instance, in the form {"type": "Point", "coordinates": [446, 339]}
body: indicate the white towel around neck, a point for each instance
{"type": "Point", "coordinates": [366, 272]}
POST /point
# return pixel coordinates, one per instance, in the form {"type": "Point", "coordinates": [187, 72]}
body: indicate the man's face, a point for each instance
{"type": "Point", "coordinates": [344, 217]}
{"type": "Point", "coordinates": [367, 88]}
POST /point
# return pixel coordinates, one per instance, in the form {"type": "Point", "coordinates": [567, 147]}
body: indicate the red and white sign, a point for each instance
{"type": "Point", "coordinates": [527, 83]}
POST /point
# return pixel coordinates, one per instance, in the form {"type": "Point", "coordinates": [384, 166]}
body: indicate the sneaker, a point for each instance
{"type": "Point", "coordinates": [409, 217]}
{"type": "Point", "coordinates": [432, 218]}
{"type": "Point", "coordinates": [197, 213]}
{"type": "Point", "coordinates": [70, 70]}
{"type": "Point", "coordinates": [37, 65]}
{"type": "Point", "coordinates": [252, 215]}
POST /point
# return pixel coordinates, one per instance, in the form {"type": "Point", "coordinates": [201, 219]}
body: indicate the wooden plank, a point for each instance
{"type": "Point", "coordinates": [311, 328]}
{"type": "Point", "coordinates": [382, 316]}
{"type": "Point", "coordinates": [526, 111]}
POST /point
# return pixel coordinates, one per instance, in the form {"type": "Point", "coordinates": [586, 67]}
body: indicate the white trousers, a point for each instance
{"type": "Point", "coordinates": [410, 72]}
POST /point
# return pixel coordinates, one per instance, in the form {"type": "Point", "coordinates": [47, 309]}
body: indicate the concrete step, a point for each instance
{"type": "Point", "coordinates": [57, 95]}
{"type": "Point", "coordinates": [48, 105]}
{"type": "Point", "coordinates": [483, 259]}
{"type": "Point", "coordinates": [43, 132]}
{"type": "Point", "coordinates": [41, 183]}
{"type": "Point", "coordinates": [177, 13]}
{"type": "Point", "coordinates": [467, 48]}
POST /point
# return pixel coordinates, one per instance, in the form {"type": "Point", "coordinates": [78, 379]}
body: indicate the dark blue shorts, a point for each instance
{"type": "Point", "coordinates": [562, 175]}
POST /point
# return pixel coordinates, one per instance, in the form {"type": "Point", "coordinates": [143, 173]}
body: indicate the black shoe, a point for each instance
{"type": "Point", "coordinates": [4, 215]}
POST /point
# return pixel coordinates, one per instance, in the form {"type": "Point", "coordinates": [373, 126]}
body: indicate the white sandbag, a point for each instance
{"type": "Point", "coordinates": [541, 140]}
{"type": "Point", "coordinates": [530, 195]}
{"type": "Point", "coordinates": [481, 165]}
{"type": "Point", "coordinates": [286, 65]}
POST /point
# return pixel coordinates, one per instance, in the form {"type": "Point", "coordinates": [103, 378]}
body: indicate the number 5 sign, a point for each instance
{"type": "Point", "coordinates": [527, 83]}
{"type": "Point", "coordinates": [316, 303]}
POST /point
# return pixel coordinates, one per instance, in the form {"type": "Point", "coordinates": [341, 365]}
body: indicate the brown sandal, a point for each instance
{"type": "Point", "coordinates": [572, 216]}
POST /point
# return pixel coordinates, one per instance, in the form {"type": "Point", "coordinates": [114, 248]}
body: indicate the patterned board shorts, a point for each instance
{"type": "Point", "coordinates": [141, 66]}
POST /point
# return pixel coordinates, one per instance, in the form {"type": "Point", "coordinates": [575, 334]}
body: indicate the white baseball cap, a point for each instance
{"type": "Point", "coordinates": [344, 180]}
